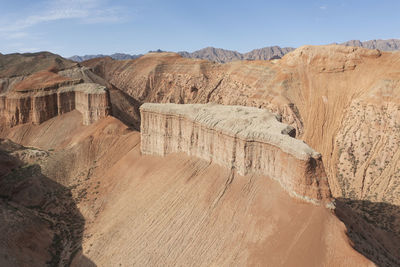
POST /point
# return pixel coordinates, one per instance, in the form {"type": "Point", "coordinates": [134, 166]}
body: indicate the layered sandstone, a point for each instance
{"type": "Point", "coordinates": [38, 105]}
{"type": "Point", "coordinates": [313, 88]}
{"type": "Point", "coordinates": [175, 210]}
{"type": "Point", "coordinates": [248, 140]}
{"type": "Point", "coordinates": [180, 210]}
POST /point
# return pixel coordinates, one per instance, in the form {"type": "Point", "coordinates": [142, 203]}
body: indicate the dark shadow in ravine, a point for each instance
{"type": "Point", "coordinates": [40, 224]}
{"type": "Point", "coordinates": [373, 227]}
{"type": "Point", "coordinates": [125, 108]}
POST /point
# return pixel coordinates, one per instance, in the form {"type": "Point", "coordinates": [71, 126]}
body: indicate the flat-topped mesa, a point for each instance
{"type": "Point", "coordinates": [37, 106]}
{"type": "Point", "coordinates": [247, 139]}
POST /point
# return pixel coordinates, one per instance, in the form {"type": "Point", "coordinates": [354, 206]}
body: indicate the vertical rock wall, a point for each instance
{"type": "Point", "coordinates": [92, 106]}
{"type": "Point", "coordinates": [165, 128]}
{"type": "Point", "coordinates": [36, 107]}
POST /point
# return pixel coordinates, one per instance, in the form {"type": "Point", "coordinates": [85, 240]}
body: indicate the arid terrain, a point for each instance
{"type": "Point", "coordinates": [88, 178]}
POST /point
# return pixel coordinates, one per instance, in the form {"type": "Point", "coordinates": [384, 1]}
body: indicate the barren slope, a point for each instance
{"type": "Point", "coordinates": [315, 89]}
{"type": "Point", "coordinates": [12, 65]}
{"type": "Point", "coordinates": [178, 210]}
{"type": "Point", "coordinates": [40, 223]}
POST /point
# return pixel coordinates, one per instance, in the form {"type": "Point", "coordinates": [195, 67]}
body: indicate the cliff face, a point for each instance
{"type": "Point", "coordinates": [204, 213]}
{"type": "Point", "coordinates": [37, 106]}
{"type": "Point", "coordinates": [248, 140]}
{"type": "Point", "coordinates": [313, 89]}
{"type": "Point", "coordinates": [37, 87]}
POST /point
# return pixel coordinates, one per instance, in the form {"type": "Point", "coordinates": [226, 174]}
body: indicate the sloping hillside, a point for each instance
{"type": "Point", "coordinates": [179, 210]}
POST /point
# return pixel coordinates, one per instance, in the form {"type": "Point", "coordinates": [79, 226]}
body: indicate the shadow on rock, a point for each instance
{"type": "Point", "coordinates": [40, 223]}
{"type": "Point", "coordinates": [373, 227]}
{"type": "Point", "coordinates": [125, 108]}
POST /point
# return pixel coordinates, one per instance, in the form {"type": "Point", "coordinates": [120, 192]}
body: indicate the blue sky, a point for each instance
{"type": "Point", "coordinates": [69, 27]}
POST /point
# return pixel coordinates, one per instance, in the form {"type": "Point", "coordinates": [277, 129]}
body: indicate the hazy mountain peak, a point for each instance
{"type": "Point", "coordinates": [266, 53]}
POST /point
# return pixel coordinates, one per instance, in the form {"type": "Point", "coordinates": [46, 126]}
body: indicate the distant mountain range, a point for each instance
{"type": "Point", "coordinates": [267, 53]}
{"type": "Point", "coordinates": [383, 45]}
{"type": "Point", "coordinates": [117, 56]}
{"type": "Point", "coordinates": [222, 55]}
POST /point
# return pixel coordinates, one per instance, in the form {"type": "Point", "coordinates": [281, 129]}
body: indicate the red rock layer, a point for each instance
{"type": "Point", "coordinates": [36, 107]}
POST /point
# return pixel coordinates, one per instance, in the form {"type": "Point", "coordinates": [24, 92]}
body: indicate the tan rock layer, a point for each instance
{"type": "Point", "coordinates": [300, 173]}
{"type": "Point", "coordinates": [36, 107]}
{"type": "Point", "coordinates": [312, 88]}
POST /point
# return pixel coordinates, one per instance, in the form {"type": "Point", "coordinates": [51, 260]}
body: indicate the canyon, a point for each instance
{"type": "Point", "coordinates": [216, 167]}
{"type": "Point", "coordinates": [311, 88]}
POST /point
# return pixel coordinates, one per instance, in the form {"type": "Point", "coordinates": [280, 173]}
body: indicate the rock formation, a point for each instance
{"type": "Point", "coordinates": [342, 101]}
{"type": "Point", "coordinates": [311, 88]}
{"type": "Point", "coordinates": [383, 45]}
{"type": "Point", "coordinates": [179, 209]}
{"type": "Point", "coordinates": [36, 87]}
{"type": "Point", "coordinates": [176, 210]}
{"type": "Point", "coordinates": [13, 65]}
{"type": "Point", "coordinates": [266, 53]}
{"type": "Point", "coordinates": [36, 106]}
{"type": "Point", "coordinates": [248, 140]}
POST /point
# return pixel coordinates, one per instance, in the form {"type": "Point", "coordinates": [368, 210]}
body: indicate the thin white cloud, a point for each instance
{"type": "Point", "coordinates": [16, 35]}
{"type": "Point", "coordinates": [28, 49]}
{"type": "Point", "coordinates": [323, 7]}
{"type": "Point", "coordinates": [86, 11]}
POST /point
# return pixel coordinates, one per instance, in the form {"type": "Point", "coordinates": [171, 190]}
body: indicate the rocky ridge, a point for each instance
{"type": "Point", "coordinates": [47, 87]}
{"type": "Point", "coordinates": [222, 55]}
{"type": "Point", "coordinates": [245, 139]}
{"type": "Point", "coordinates": [209, 213]}
{"type": "Point", "coordinates": [177, 209]}
{"type": "Point", "coordinates": [311, 88]}
{"type": "Point", "coordinates": [267, 53]}
{"type": "Point", "coordinates": [384, 45]}
{"type": "Point", "coordinates": [116, 56]}
{"type": "Point", "coordinates": [13, 65]}
{"type": "Point", "coordinates": [209, 53]}
{"type": "Point", "coordinates": [36, 106]}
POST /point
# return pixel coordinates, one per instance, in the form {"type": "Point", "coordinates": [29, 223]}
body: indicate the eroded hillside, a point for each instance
{"type": "Point", "coordinates": [181, 210]}
{"type": "Point", "coordinates": [314, 89]}
{"type": "Point", "coordinates": [178, 210]}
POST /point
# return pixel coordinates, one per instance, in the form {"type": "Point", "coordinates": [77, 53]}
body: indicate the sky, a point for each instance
{"type": "Point", "coordinates": [79, 27]}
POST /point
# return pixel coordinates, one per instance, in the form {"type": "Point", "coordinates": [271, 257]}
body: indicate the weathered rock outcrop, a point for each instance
{"type": "Point", "coordinates": [175, 210]}
{"type": "Point", "coordinates": [248, 140]}
{"type": "Point", "coordinates": [312, 88]}
{"type": "Point", "coordinates": [368, 145]}
{"type": "Point", "coordinates": [36, 106]}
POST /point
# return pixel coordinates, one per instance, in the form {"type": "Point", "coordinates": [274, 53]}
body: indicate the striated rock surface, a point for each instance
{"type": "Point", "coordinates": [180, 210]}
{"type": "Point", "coordinates": [311, 88]}
{"type": "Point", "coordinates": [176, 210]}
{"type": "Point", "coordinates": [38, 105]}
{"type": "Point", "coordinates": [12, 65]}
{"type": "Point", "coordinates": [36, 87]}
{"type": "Point", "coordinates": [249, 140]}
{"type": "Point", "coordinates": [368, 145]}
